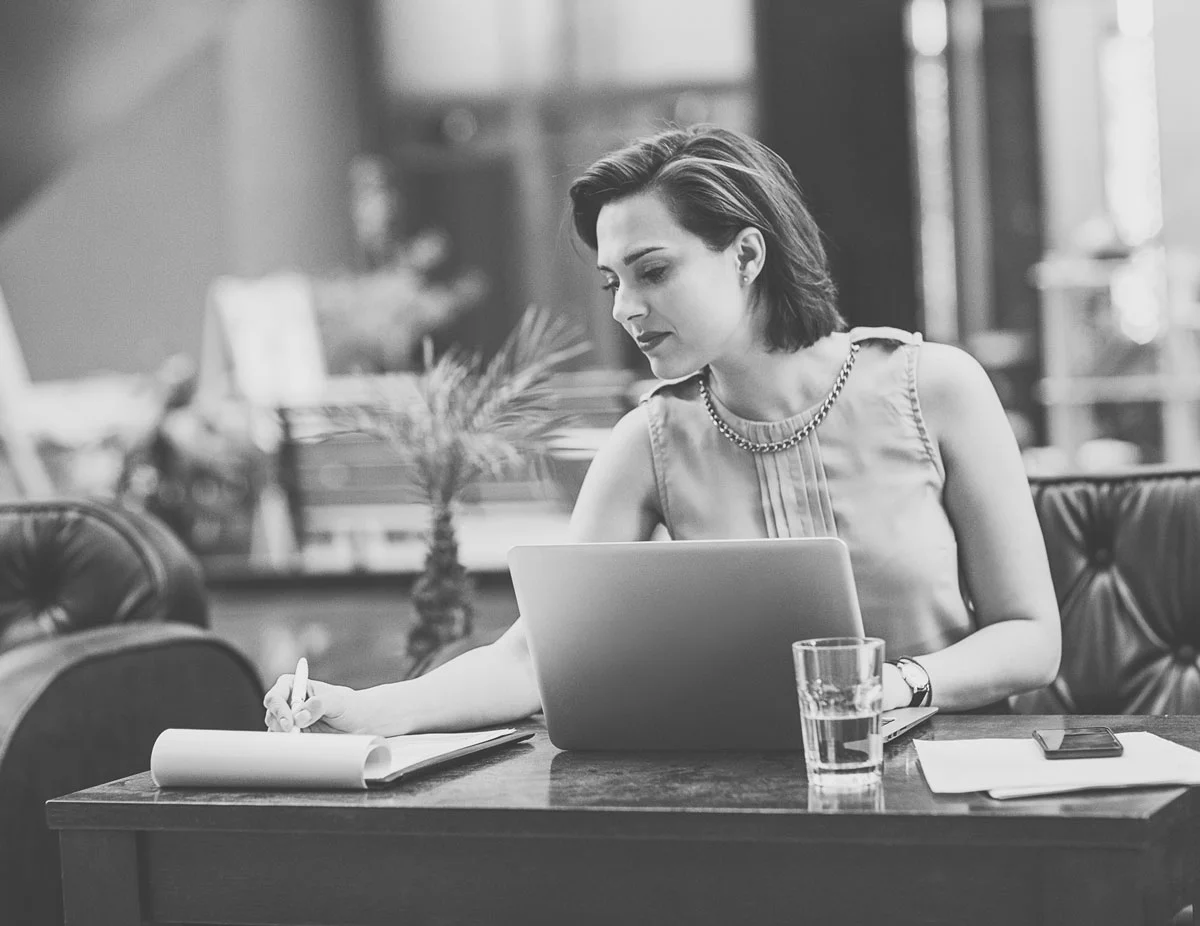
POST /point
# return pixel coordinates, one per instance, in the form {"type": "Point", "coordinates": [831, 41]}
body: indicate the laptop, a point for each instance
{"type": "Point", "coordinates": [682, 644]}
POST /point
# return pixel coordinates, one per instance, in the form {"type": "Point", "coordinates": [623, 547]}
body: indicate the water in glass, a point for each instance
{"type": "Point", "coordinates": [842, 732]}
{"type": "Point", "coordinates": [840, 687]}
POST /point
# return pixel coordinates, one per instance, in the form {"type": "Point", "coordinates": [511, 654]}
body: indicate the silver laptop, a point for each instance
{"type": "Point", "coordinates": [682, 644]}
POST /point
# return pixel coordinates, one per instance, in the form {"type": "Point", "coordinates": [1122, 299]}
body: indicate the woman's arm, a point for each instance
{"type": "Point", "coordinates": [489, 685]}
{"type": "Point", "coordinates": [987, 497]}
{"type": "Point", "coordinates": [619, 497]}
{"type": "Point", "coordinates": [495, 683]}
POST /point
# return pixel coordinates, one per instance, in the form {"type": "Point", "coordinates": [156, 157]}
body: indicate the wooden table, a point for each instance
{"type": "Point", "coordinates": [534, 835]}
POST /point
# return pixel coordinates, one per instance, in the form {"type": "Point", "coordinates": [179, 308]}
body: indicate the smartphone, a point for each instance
{"type": "Point", "coordinates": [1078, 743]}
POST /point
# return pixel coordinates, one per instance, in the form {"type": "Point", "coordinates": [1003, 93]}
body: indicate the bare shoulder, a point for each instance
{"type": "Point", "coordinates": [630, 438]}
{"type": "Point", "coordinates": [955, 391]}
{"type": "Point", "coordinates": [619, 496]}
{"type": "Point", "coordinates": [949, 375]}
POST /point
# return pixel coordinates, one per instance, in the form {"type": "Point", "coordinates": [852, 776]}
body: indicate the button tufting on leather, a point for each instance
{"type": "Point", "coordinates": [1093, 529]}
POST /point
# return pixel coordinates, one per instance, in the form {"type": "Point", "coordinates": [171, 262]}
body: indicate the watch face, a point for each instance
{"type": "Point", "coordinates": [917, 680]}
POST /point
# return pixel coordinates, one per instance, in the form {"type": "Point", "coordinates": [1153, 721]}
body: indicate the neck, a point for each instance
{"type": "Point", "coordinates": [766, 386]}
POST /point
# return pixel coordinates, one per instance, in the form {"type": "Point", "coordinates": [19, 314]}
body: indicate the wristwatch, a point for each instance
{"type": "Point", "coordinates": [917, 679]}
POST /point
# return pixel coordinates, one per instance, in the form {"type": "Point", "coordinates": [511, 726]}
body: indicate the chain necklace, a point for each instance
{"type": "Point", "coordinates": [778, 445]}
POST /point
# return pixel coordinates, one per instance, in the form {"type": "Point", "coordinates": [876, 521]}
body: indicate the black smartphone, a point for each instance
{"type": "Point", "coordinates": [1078, 743]}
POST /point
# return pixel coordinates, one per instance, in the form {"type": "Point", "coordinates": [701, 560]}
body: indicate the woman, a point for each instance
{"type": "Point", "coordinates": [774, 420]}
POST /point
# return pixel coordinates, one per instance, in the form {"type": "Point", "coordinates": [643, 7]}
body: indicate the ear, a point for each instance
{"type": "Point", "coordinates": [750, 252]}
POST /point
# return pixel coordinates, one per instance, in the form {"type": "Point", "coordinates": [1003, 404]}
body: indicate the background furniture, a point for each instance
{"type": "Point", "coordinates": [103, 644]}
{"type": "Point", "coordinates": [531, 834]}
{"type": "Point", "coordinates": [1124, 552]}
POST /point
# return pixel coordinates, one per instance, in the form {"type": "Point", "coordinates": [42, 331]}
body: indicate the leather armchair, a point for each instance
{"type": "Point", "coordinates": [1124, 552]}
{"type": "Point", "coordinates": [103, 644]}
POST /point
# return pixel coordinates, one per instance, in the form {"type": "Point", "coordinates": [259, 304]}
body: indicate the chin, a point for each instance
{"type": "Point", "coordinates": [664, 370]}
{"type": "Point", "coordinates": [671, 367]}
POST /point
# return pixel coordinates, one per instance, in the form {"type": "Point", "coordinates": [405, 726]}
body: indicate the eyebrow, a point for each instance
{"type": "Point", "coordinates": [633, 255]}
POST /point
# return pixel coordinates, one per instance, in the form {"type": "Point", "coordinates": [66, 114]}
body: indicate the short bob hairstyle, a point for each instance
{"type": "Point", "coordinates": [717, 182]}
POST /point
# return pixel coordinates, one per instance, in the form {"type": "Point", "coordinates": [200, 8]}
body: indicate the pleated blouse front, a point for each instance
{"type": "Point", "coordinates": [868, 474]}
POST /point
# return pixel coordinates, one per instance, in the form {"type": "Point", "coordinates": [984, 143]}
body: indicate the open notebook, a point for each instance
{"type": "Point", "coordinates": [257, 759]}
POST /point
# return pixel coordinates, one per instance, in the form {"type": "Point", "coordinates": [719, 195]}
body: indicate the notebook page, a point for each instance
{"type": "Point", "coordinates": [414, 749]}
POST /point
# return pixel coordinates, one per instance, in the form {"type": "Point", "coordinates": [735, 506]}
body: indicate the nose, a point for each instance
{"type": "Point", "coordinates": [626, 306]}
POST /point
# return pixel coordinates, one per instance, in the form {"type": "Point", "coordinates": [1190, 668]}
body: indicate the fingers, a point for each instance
{"type": "Point", "coordinates": [309, 712]}
{"type": "Point", "coordinates": [279, 715]}
{"type": "Point", "coordinates": [277, 695]}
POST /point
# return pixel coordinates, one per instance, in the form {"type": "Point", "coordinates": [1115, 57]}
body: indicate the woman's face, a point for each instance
{"type": "Point", "coordinates": [683, 304]}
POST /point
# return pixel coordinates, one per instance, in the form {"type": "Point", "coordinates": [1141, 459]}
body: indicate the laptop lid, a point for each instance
{"type": "Point", "coordinates": [678, 644]}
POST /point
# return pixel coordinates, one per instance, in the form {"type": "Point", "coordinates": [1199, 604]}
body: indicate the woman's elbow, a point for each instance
{"type": "Point", "coordinates": [1048, 650]}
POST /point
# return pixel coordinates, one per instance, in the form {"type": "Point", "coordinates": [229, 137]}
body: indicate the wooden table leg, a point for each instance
{"type": "Point", "coordinates": [100, 878]}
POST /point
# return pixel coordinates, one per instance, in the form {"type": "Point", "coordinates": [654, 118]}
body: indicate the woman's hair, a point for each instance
{"type": "Point", "coordinates": [717, 182]}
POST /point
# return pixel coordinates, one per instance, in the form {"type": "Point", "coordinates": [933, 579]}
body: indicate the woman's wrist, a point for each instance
{"type": "Point", "coordinates": [380, 710]}
{"type": "Point", "coordinates": [918, 681]}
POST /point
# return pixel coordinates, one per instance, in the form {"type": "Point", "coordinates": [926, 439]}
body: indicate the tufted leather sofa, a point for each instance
{"type": "Point", "coordinates": [1124, 552]}
{"type": "Point", "coordinates": [103, 644]}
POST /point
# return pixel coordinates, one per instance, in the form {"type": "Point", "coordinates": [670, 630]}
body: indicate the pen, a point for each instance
{"type": "Point", "coordinates": [299, 688]}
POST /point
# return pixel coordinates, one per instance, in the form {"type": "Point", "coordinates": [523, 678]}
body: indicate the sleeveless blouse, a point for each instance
{"type": "Point", "coordinates": [868, 474]}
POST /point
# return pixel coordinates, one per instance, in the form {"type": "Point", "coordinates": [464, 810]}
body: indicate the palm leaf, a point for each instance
{"type": "Point", "coordinates": [467, 418]}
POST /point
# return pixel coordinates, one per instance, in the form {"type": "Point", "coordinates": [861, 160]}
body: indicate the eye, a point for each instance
{"type": "Point", "coordinates": [654, 274]}
{"type": "Point", "coordinates": [610, 286]}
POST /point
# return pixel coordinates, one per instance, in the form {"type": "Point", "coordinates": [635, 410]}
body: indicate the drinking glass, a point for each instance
{"type": "Point", "coordinates": [865, 799]}
{"type": "Point", "coordinates": [840, 685]}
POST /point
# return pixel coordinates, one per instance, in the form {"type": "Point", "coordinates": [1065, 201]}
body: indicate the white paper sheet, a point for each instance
{"type": "Point", "coordinates": [409, 751]}
{"type": "Point", "coordinates": [1008, 768]}
{"type": "Point", "coordinates": [247, 758]}
{"type": "Point", "coordinates": [258, 759]}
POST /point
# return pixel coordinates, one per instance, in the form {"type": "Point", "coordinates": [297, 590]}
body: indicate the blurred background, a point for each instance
{"type": "Point", "coordinates": [219, 216]}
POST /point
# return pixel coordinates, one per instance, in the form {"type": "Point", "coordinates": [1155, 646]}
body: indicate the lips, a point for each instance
{"type": "Point", "coordinates": [650, 340]}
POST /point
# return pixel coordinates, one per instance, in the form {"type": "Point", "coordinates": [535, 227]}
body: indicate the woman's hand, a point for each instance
{"type": "Point", "coordinates": [326, 709]}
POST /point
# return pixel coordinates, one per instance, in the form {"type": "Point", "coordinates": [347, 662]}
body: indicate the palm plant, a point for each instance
{"type": "Point", "coordinates": [468, 418]}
